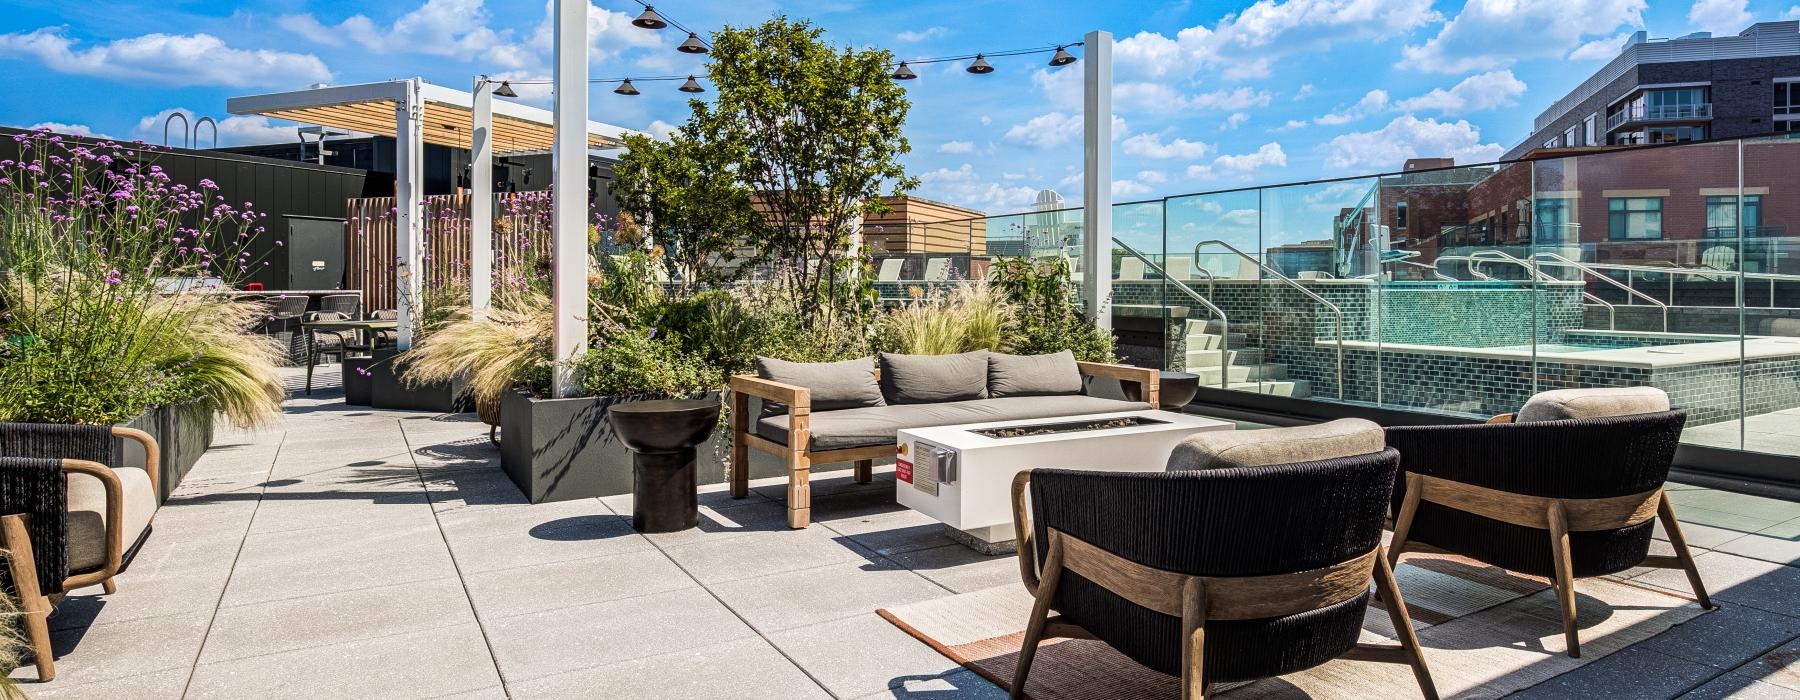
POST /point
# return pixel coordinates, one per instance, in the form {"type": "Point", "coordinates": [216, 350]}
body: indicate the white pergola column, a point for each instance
{"type": "Point", "coordinates": [1096, 186]}
{"type": "Point", "coordinates": [569, 207]}
{"type": "Point", "coordinates": [481, 201]}
{"type": "Point", "coordinates": [409, 200]}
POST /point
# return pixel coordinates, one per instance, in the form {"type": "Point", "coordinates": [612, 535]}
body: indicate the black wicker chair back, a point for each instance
{"type": "Point", "coordinates": [350, 305]}
{"type": "Point", "coordinates": [288, 306]}
{"type": "Point", "coordinates": [1255, 521]}
{"type": "Point", "coordinates": [32, 483]}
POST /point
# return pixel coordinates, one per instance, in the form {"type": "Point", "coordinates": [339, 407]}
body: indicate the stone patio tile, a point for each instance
{"type": "Point", "coordinates": [1741, 504]}
{"type": "Point", "coordinates": [186, 583]}
{"type": "Point", "coordinates": [592, 636]}
{"type": "Point", "coordinates": [961, 684]}
{"type": "Point", "coordinates": [484, 522]}
{"type": "Point", "coordinates": [1723, 519]}
{"type": "Point", "coordinates": [110, 651]}
{"type": "Point", "coordinates": [1701, 536]}
{"type": "Point", "coordinates": [764, 553]}
{"type": "Point", "coordinates": [289, 510]}
{"type": "Point", "coordinates": [281, 565]}
{"type": "Point", "coordinates": [746, 669]}
{"type": "Point", "coordinates": [540, 587]}
{"type": "Point", "coordinates": [334, 618]}
{"type": "Point", "coordinates": [1752, 582]}
{"type": "Point", "coordinates": [183, 517]}
{"type": "Point", "coordinates": [1780, 667]}
{"type": "Point", "coordinates": [798, 598]}
{"type": "Point", "coordinates": [827, 484]}
{"type": "Point", "coordinates": [721, 522]}
{"type": "Point", "coordinates": [861, 654]}
{"type": "Point", "coordinates": [425, 664]}
{"type": "Point", "coordinates": [1631, 673]}
{"type": "Point", "coordinates": [892, 532]}
{"type": "Point", "coordinates": [1726, 638]}
{"type": "Point", "coordinates": [150, 686]}
{"type": "Point", "coordinates": [1780, 550]}
{"type": "Point", "coordinates": [559, 539]}
{"type": "Point", "coordinates": [961, 569]}
{"type": "Point", "coordinates": [472, 489]}
{"type": "Point", "coordinates": [1789, 530]}
{"type": "Point", "coordinates": [1733, 686]}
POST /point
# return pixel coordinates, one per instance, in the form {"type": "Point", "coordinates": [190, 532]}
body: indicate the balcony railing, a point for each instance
{"type": "Point", "coordinates": [1655, 113]}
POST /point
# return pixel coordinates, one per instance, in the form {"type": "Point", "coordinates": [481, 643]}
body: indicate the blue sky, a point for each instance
{"type": "Point", "coordinates": [1209, 95]}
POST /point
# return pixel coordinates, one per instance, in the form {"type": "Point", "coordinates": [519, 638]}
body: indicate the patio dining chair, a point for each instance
{"type": "Point", "coordinates": [1251, 558]}
{"type": "Point", "coordinates": [1567, 488]}
{"type": "Point", "coordinates": [326, 342]}
{"type": "Point", "coordinates": [67, 519]}
{"type": "Point", "coordinates": [350, 305]}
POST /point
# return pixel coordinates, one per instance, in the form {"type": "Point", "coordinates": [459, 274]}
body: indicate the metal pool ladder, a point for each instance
{"type": "Point", "coordinates": [1224, 322]}
{"type": "Point", "coordinates": [1299, 287]}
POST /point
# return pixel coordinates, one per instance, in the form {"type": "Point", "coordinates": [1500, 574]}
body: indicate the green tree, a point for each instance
{"type": "Point", "coordinates": [688, 196]}
{"type": "Point", "coordinates": [815, 132]}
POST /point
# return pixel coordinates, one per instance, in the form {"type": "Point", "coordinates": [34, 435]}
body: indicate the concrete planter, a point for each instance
{"type": "Point", "coordinates": [183, 433]}
{"type": "Point", "coordinates": [565, 449]}
{"type": "Point", "coordinates": [383, 387]}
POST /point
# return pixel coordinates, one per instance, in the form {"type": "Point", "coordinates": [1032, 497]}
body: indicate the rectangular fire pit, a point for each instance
{"type": "Point", "coordinates": [962, 474]}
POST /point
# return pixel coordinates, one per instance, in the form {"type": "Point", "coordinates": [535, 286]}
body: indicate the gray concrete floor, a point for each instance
{"type": "Point", "coordinates": [349, 552]}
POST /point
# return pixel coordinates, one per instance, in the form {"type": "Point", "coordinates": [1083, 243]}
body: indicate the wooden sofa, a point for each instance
{"type": "Point", "coordinates": [797, 452]}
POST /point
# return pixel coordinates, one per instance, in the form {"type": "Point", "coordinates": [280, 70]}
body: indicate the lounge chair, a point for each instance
{"type": "Point", "coordinates": [1131, 270]}
{"type": "Point", "coordinates": [67, 518]}
{"type": "Point", "coordinates": [1567, 488]}
{"type": "Point", "coordinates": [890, 270]}
{"type": "Point", "coordinates": [1250, 558]}
{"type": "Point", "coordinates": [937, 270]}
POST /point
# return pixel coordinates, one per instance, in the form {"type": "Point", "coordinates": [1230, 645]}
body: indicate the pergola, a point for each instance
{"type": "Point", "coordinates": [414, 113]}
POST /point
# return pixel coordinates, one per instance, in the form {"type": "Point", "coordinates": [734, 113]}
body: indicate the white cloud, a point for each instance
{"type": "Point", "coordinates": [1245, 165]}
{"type": "Point", "coordinates": [233, 131]}
{"type": "Point", "coordinates": [71, 129]}
{"type": "Point", "coordinates": [1162, 98]}
{"type": "Point", "coordinates": [1721, 17]}
{"type": "Point", "coordinates": [1129, 188]}
{"type": "Point", "coordinates": [1055, 129]}
{"type": "Point", "coordinates": [661, 129]}
{"type": "Point", "coordinates": [1152, 176]}
{"type": "Point", "coordinates": [1792, 13]}
{"type": "Point", "coordinates": [1491, 34]}
{"type": "Point", "coordinates": [1372, 102]}
{"type": "Point", "coordinates": [926, 34]}
{"type": "Point", "coordinates": [1473, 94]}
{"type": "Point", "coordinates": [965, 187]}
{"type": "Point", "coordinates": [1151, 146]}
{"type": "Point", "coordinates": [1293, 124]}
{"type": "Point", "coordinates": [460, 29]}
{"type": "Point", "coordinates": [956, 147]}
{"type": "Point", "coordinates": [1410, 137]}
{"type": "Point", "coordinates": [1304, 91]}
{"type": "Point", "coordinates": [986, 120]}
{"type": "Point", "coordinates": [1601, 49]}
{"type": "Point", "coordinates": [1234, 121]}
{"type": "Point", "coordinates": [168, 59]}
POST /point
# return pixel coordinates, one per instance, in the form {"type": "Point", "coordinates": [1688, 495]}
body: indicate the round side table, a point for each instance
{"type": "Point", "coordinates": [661, 435]}
{"type": "Point", "coordinates": [1175, 389]}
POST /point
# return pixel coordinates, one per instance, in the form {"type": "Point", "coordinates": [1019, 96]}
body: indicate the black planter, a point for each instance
{"type": "Point", "coordinates": [661, 436]}
{"type": "Point", "coordinates": [565, 449]}
{"type": "Point", "coordinates": [1174, 390]}
{"type": "Point", "coordinates": [374, 381]}
{"type": "Point", "coordinates": [183, 433]}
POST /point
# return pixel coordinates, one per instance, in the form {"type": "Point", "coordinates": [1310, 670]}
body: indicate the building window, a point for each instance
{"type": "Point", "coordinates": [1550, 144]}
{"type": "Point", "coordinates": [1722, 216]}
{"type": "Point", "coordinates": [1787, 98]}
{"type": "Point", "coordinates": [1569, 137]}
{"type": "Point", "coordinates": [1555, 223]}
{"type": "Point", "coordinates": [1634, 218]}
{"type": "Point", "coordinates": [1787, 126]}
{"type": "Point", "coordinates": [1587, 127]}
{"type": "Point", "coordinates": [1400, 215]}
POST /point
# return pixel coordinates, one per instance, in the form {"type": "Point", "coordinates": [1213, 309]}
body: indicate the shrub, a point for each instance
{"type": "Point", "coordinates": [633, 362]}
{"type": "Point", "coordinates": [970, 316]}
{"type": "Point", "coordinates": [509, 348]}
{"type": "Point", "coordinates": [1047, 321]}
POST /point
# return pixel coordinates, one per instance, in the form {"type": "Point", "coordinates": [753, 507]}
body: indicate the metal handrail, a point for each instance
{"type": "Point", "coordinates": [1224, 322]}
{"type": "Point", "coordinates": [1470, 260]}
{"type": "Point", "coordinates": [1303, 290]}
{"type": "Point", "coordinates": [1609, 280]}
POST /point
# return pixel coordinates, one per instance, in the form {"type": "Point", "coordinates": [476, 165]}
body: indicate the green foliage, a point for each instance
{"type": "Point", "coordinates": [971, 316]}
{"type": "Point", "coordinates": [634, 362]}
{"type": "Point", "coordinates": [816, 132]}
{"type": "Point", "coordinates": [627, 290]}
{"type": "Point", "coordinates": [1047, 322]}
{"type": "Point", "coordinates": [688, 191]}
{"type": "Point", "coordinates": [509, 348]}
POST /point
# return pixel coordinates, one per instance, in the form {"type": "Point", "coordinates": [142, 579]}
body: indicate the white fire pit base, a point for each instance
{"type": "Point", "coordinates": [962, 474]}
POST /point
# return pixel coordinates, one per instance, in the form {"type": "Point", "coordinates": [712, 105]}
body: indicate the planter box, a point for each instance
{"type": "Point", "coordinates": [183, 433]}
{"type": "Point", "coordinates": [383, 387]}
{"type": "Point", "coordinates": [565, 449]}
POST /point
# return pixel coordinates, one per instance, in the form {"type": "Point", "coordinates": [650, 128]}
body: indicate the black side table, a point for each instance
{"type": "Point", "coordinates": [661, 435]}
{"type": "Point", "coordinates": [1175, 389]}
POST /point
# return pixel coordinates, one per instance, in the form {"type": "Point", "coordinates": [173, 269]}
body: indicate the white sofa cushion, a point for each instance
{"type": "Point", "coordinates": [1346, 437]}
{"type": "Point", "coordinates": [1601, 402]}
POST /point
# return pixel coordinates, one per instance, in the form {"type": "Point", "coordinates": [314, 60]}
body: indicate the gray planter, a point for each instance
{"type": "Point", "coordinates": [565, 449]}
{"type": "Point", "coordinates": [382, 387]}
{"type": "Point", "coordinates": [183, 433]}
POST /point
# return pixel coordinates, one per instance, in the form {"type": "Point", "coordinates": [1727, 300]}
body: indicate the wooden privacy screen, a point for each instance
{"type": "Point", "coordinates": [521, 229]}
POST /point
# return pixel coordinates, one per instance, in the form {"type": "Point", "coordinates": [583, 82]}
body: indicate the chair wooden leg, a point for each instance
{"type": "Point", "coordinates": [1193, 639]}
{"type": "Point", "coordinates": [865, 469]}
{"type": "Point", "coordinates": [1679, 541]}
{"type": "Point", "coordinates": [23, 567]}
{"type": "Point", "coordinates": [1565, 576]}
{"type": "Point", "coordinates": [110, 586]}
{"type": "Point", "coordinates": [1409, 509]}
{"type": "Point", "coordinates": [740, 447]}
{"type": "Point", "coordinates": [1040, 616]}
{"type": "Point", "coordinates": [1389, 590]}
{"type": "Point", "coordinates": [799, 490]}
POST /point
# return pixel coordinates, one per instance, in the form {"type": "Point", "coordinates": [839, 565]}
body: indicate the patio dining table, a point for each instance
{"type": "Point", "coordinates": [311, 328]}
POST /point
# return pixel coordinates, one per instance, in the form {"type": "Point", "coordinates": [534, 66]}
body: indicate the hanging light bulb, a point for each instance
{"type": "Point", "coordinates": [692, 44]}
{"type": "Point", "coordinates": [649, 19]}
{"type": "Point", "coordinates": [505, 90]}
{"type": "Point", "coordinates": [691, 86]}
{"type": "Point", "coordinates": [1062, 57]}
{"type": "Point", "coordinates": [903, 72]}
{"type": "Point", "coordinates": [625, 88]}
{"type": "Point", "coordinates": [981, 66]}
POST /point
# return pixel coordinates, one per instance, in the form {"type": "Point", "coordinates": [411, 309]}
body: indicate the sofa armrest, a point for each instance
{"type": "Point", "coordinates": [1148, 380]}
{"type": "Point", "coordinates": [797, 398]}
{"type": "Point", "coordinates": [114, 547]}
{"type": "Point", "coordinates": [152, 453]}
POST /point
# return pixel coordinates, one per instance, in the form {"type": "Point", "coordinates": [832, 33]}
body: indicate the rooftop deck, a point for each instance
{"type": "Point", "coordinates": [356, 552]}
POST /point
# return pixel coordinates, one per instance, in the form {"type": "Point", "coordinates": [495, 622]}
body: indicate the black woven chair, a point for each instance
{"type": "Point", "coordinates": [49, 521]}
{"type": "Point", "coordinates": [1563, 499]}
{"type": "Point", "coordinates": [1220, 575]}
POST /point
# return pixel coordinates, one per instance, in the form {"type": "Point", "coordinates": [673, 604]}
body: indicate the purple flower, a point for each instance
{"type": "Point", "coordinates": [206, 183]}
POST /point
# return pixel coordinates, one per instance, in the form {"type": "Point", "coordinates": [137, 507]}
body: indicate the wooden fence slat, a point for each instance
{"type": "Point", "coordinates": [521, 229]}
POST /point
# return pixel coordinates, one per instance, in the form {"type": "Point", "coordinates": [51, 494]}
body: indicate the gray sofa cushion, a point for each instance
{"type": "Point", "coordinates": [1600, 402]}
{"type": "Point", "coordinates": [1346, 437]}
{"type": "Point", "coordinates": [860, 427]}
{"type": "Point", "coordinates": [834, 385]}
{"type": "Point", "coordinates": [1055, 374]}
{"type": "Point", "coordinates": [934, 378]}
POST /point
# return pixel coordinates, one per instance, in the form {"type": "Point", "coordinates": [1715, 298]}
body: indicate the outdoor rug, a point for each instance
{"type": "Point", "coordinates": [1486, 633]}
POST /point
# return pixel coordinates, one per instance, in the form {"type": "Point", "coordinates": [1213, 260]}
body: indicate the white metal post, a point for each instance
{"type": "Point", "coordinates": [569, 161]}
{"type": "Point", "coordinates": [481, 202]}
{"type": "Point", "coordinates": [1096, 186]}
{"type": "Point", "coordinates": [409, 198]}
